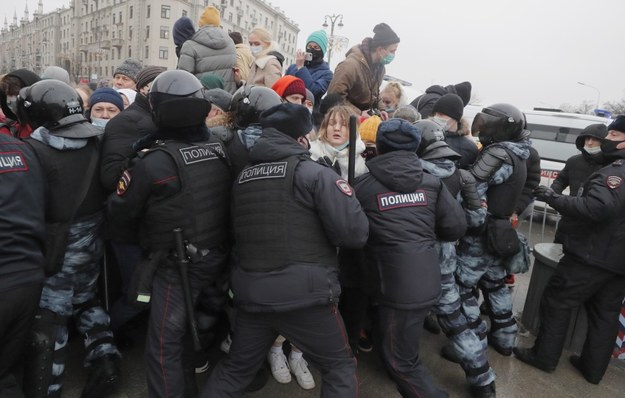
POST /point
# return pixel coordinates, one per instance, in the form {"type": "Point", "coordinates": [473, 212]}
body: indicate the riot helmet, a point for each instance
{"type": "Point", "coordinates": [433, 145]}
{"type": "Point", "coordinates": [249, 101]}
{"type": "Point", "coordinates": [55, 106]}
{"type": "Point", "coordinates": [497, 123]}
{"type": "Point", "coordinates": [177, 100]}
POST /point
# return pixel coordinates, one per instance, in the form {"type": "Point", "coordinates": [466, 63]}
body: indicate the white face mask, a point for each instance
{"type": "Point", "coordinates": [101, 123]}
{"type": "Point", "coordinates": [592, 150]}
{"type": "Point", "coordinates": [441, 121]}
{"type": "Point", "coordinates": [256, 49]}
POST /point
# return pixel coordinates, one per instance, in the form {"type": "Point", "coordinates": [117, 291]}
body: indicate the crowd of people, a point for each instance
{"type": "Point", "coordinates": [290, 203]}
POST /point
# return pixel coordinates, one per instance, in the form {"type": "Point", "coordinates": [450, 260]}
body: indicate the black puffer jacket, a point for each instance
{"type": "Point", "coordinates": [531, 181]}
{"type": "Point", "coordinates": [120, 133]}
{"type": "Point", "coordinates": [408, 211]}
{"type": "Point", "coordinates": [579, 167]}
{"type": "Point", "coordinates": [464, 146]}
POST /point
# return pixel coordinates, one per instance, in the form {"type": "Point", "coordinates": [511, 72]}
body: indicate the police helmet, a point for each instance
{"type": "Point", "coordinates": [497, 123]}
{"type": "Point", "coordinates": [56, 106]}
{"type": "Point", "coordinates": [249, 101]}
{"type": "Point", "coordinates": [177, 100]}
{"type": "Point", "coordinates": [433, 145]}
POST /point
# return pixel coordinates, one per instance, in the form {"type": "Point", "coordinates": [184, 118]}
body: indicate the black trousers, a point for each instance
{"type": "Point", "coordinates": [318, 331]}
{"type": "Point", "coordinates": [17, 312]}
{"type": "Point", "coordinates": [601, 292]}
{"type": "Point", "coordinates": [400, 331]}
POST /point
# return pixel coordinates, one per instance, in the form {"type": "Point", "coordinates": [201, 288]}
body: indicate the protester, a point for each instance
{"type": "Point", "coordinates": [266, 69]}
{"type": "Point", "coordinates": [244, 57]}
{"type": "Point", "coordinates": [183, 30]}
{"type": "Point", "coordinates": [392, 97]}
{"type": "Point", "coordinates": [425, 102]}
{"type": "Point", "coordinates": [290, 89]}
{"type": "Point", "coordinates": [10, 85]}
{"type": "Point", "coordinates": [315, 72]}
{"type": "Point", "coordinates": [210, 50]}
{"type": "Point", "coordinates": [56, 72]}
{"type": "Point", "coordinates": [106, 103]}
{"type": "Point", "coordinates": [125, 75]}
{"type": "Point", "coordinates": [128, 96]}
{"type": "Point", "coordinates": [359, 82]}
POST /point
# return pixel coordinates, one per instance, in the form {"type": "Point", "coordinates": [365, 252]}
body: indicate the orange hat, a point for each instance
{"type": "Point", "coordinates": [369, 128]}
{"type": "Point", "coordinates": [288, 85]}
{"type": "Point", "coordinates": [210, 16]}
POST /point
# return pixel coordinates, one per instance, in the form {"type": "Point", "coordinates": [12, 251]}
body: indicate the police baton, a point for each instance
{"type": "Point", "coordinates": [183, 265]}
{"type": "Point", "coordinates": [351, 165]}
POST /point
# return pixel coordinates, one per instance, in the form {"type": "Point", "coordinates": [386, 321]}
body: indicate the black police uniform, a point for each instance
{"type": "Point", "coordinates": [289, 214]}
{"type": "Point", "coordinates": [22, 236]}
{"type": "Point", "coordinates": [591, 273]}
{"type": "Point", "coordinates": [176, 183]}
{"type": "Point", "coordinates": [409, 211]}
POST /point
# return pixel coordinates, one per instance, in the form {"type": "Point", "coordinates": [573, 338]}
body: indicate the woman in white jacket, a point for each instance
{"type": "Point", "coordinates": [333, 142]}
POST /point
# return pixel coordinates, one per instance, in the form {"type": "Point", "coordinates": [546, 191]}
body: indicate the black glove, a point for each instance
{"type": "Point", "coordinates": [544, 193]}
{"type": "Point", "coordinates": [326, 161]}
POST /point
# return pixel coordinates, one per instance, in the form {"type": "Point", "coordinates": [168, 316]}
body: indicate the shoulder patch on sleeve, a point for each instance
{"type": "Point", "coordinates": [344, 187]}
{"type": "Point", "coordinates": [123, 183]}
{"type": "Point", "coordinates": [613, 182]}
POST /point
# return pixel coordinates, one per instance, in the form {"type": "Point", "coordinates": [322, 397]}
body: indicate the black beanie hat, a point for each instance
{"type": "Point", "coordinates": [26, 76]}
{"type": "Point", "coordinates": [384, 36]}
{"type": "Point", "coordinates": [464, 92]}
{"type": "Point", "coordinates": [450, 105]}
{"type": "Point", "coordinates": [396, 135]}
{"type": "Point", "coordinates": [618, 124]}
{"type": "Point", "coordinates": [290, 119]}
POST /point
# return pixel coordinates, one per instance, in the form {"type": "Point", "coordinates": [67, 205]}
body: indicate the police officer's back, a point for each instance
{"type": "Point", "coordinates": [289, 215]}
{"type": "Point", "coordinates": [182, 181]}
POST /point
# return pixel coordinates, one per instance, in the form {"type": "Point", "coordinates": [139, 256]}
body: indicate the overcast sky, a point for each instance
{"type": "Point", "coordinates": [529, 53]}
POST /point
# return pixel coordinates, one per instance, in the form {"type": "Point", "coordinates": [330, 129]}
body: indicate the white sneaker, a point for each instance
{"type": "Point", "coordinates": [299, 367]}
{"type": "Point", "coordinates": [225, 345]}
{"type": "Point", "coordinates": [279, 367]}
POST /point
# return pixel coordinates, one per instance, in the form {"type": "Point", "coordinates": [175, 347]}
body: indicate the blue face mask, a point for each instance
{"type": "Point", "coordinates": [100, 123]}
{"type": "Point", "coordinates": [388, 59]}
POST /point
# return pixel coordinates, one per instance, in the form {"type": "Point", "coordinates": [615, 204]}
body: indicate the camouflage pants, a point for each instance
{"type": "Point", "coordinates": [462, 338]}
{"type": "Point", "coordinates": [72, 292]}
{"type": "Point", "coordinates": [478, 267]}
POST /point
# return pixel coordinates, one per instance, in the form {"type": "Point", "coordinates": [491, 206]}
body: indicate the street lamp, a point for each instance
{"type": "Point", "coordinates": [598, 92]}
{"type": "Point", "coordinates": [333, 18]}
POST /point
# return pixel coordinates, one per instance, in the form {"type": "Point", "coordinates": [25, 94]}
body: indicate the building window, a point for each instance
{"type": "Point", "coordinates": [148, 13]}
{"type": "Point", "coordinates": [165, 12]}
{"type": "Point", "coordinates": [130, 11]}
{"type": "Point", "coordinates": [163, 53]}
{"type": "Point", "coordinates": [184, 13]}
{"type": "Point", "coordinates": [164, 32]}
{"type": "Point", "coordinates": [129, 52]}
{"type": "Point", "coordinates": [147, 52]}
{"type": "Point", "coordinates": [113, 19]}
{"type": "Point", "coordinates": [147, 32]}
{"type": "Point", "coordinates": [129, 33]}
{"type": "Point", "coordinates": [120, 17]}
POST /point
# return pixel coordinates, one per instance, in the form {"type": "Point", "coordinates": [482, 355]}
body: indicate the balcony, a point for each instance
{"type": "Point", "coordinates": [105, 44]}
{"type": "Point", "coordinates": [84, 48]}
{"type": "Point", "coordinates": [117, 43]}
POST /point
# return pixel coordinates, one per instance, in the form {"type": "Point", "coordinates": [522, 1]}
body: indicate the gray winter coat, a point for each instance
{"type": "Point", "coordinates": [210, 50]}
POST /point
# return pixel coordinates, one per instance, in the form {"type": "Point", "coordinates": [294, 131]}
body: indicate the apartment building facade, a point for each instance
{"type": "Point", "coordinates": [89, 38]}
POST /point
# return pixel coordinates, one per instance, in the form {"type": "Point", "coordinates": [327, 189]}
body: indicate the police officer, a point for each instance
{"type": "Point", "coordinates": [289, 214]}
{"type": "Point", "coordinates": [592, 272]}
{"type": "Point", "coordinates": [22, 205]}
{"type": "Point", "coordinates": [67, 146]}
{"type": "Point", "coordinates": [464, 347]}
{"type": "Point", "coordinates": [182, 181]}
{"type": "Point", "coordinates": [409, 211]}
{"type": "Point", "coordinates": [500, 172]}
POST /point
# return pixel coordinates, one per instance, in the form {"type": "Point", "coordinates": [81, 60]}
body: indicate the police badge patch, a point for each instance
{"type": "Point", "coordinates": [613, 182]}
{"type": "Point", "coordinates": [123, 183]}
{"type": "Point", "coordinates": [344, 187]}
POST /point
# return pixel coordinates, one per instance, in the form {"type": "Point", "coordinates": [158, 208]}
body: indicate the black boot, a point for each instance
{"type": "Point", "coordinates": [528, 356]}
{"type": "Point", "coordinates": [103, 375]}
{"type": "Point", "coordinates": [487, 391]}
{"type": "Point", "coordinates": [576, 361]}
{"type": "Point", "coordinates": [492, 341]}
{"type": "Point", "coordinates": [431, 324]}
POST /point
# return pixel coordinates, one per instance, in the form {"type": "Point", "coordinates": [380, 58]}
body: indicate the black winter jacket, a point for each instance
{"type": "Point", "coordinates": [576, 171]}
{"type": "Point", "coordinates": [408, 211]}
{"type": "Point", "coordinates": [592, 224]}
{"type": "Point", "coordinates": [465, 147]}
{"type": "Point", "coordinates": [120, 133]}
{"type": "Point", "coordinates": [318, 187]}
{"type": "Point", "coordinates": [531, 181]}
